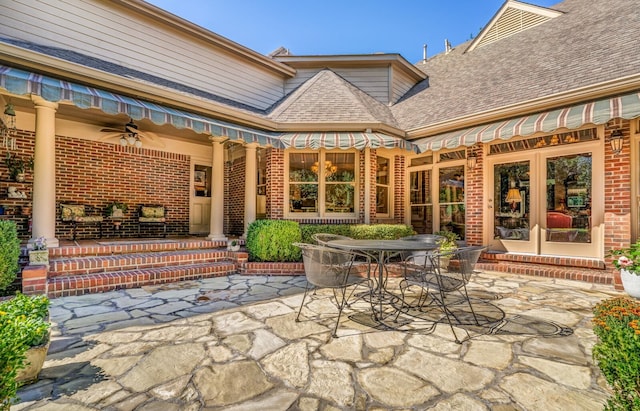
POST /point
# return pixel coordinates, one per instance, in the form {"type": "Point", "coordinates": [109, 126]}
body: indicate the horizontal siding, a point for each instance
{"type": "Point", "coordinates": [401, 83]}
{"type": "Point", "coordinates": [102, 30]}
{"type": "Point", "coordinates": [373, 81]}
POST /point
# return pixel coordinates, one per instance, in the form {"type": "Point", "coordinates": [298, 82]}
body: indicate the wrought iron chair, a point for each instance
{"type": "Point", "coordinates": [324, 238]}
{"type": "Point", "coordinates": [444, 276]}
{"type": "Point", "coordinates": [327, 267]}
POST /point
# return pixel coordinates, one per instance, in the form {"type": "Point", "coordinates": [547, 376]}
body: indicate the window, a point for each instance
{"type": "Point", "coordinates": [322, 183]}
{"type": "Point", "coordinates": [382, 185]}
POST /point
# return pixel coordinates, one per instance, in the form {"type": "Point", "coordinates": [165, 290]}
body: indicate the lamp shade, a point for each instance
{"type": "Point", "coordinates": [513, 196]}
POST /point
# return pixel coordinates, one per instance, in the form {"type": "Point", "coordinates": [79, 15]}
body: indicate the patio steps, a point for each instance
{"type": "Point", "coordinates": [567, 268]}
{"type": "Point", "coordinates": [78, 270]}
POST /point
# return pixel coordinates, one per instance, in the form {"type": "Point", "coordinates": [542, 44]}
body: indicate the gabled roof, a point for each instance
{"type": "Point", "coordinates": [591, 48]}
{"type": "Point", "coordinates": [329, 98]}
{"type": "Point", "coordinates": [513, 17]}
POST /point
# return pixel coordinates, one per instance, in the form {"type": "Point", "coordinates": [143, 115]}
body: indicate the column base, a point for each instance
{"type": "Point", "coordinates": [217, 237]}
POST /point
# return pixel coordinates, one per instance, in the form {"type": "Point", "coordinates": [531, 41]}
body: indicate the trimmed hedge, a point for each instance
{"type": "Point", "coordinates": [359, 231]}
{"type": "Point", "coordinates": [271, 240]}
{"type": "Point", "coordinates": [9, 253]}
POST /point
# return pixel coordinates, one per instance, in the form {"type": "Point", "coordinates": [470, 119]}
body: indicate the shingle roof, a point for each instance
{"type": "Point", "coordinates": [327, 97]}
{"type": "Point", "coordinates": [592, 42]}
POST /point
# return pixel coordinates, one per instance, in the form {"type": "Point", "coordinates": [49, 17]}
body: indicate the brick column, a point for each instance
{"type": "Point", "coordinates": [34, 279]}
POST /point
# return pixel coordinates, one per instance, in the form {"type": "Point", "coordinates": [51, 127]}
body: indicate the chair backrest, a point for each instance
{"type": "Point", "coordinates": [558, 220]}
{"type": "Point", "coordinates": [326, 267]}
{"type": "Point", "coordinates": [324, 238]}
{"type": "Point", "coordinates": [466, 259]}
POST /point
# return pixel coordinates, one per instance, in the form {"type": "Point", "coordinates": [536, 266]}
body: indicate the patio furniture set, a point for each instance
{"type": "Point", "coordinates": [431, 287]}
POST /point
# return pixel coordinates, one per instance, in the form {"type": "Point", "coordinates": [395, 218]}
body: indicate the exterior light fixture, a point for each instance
{"type": "Point", "coordinates": [8, 127]}
{"type": "Point", "coordinates": [616, 141]}
{"type": "Point", "coordinates": [472, 161]}
{"type": "Point", "coordinates": [130, 137]}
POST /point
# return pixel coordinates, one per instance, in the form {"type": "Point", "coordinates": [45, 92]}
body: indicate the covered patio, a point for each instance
{"type": "Point", "coordinates": [232, 343]}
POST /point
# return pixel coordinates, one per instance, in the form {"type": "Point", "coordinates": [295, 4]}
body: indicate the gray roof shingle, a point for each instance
{"type": "Point", "coordinates": [327, 97]}
{"type": "Point", "coordinates": [592, 42]}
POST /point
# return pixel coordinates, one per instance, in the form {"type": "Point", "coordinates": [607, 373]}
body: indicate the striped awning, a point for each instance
{"type": "Point", "coordinates": [595, 112]}
{"type": "Point", "coordinates": [344, 140]}
{"type": "Point", "coordinates": [51, 89]}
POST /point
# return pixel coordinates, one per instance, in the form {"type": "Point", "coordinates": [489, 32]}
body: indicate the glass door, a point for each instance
{"type": "Point", "coordinates": [510, 206]}
{"type": "Point", "coordinates": [451, 200]}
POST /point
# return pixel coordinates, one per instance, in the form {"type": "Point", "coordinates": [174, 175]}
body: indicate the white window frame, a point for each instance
{"type": "Point", "coordinates": [321, 204]}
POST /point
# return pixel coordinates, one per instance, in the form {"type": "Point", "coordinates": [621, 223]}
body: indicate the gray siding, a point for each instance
{"type": "Point", "coordinates": [103, 30]}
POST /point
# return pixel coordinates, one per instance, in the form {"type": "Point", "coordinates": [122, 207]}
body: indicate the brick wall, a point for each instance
{"type": "Point", "coordinates": [95, 173]}
{"type": "Point", "coordinates": [13, 207]}
{"type": "Point", "coordinates": [617, 195]}
{"type": "Point", "coordinates": [475, 201]}
{"type": "Point", "coordinates": [234, 189]}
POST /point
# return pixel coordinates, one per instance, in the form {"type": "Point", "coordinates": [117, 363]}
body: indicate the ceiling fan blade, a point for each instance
{"type": "Point", "coordinates": [151, 138]}
{"type": "Point", "coordinates": [111, 130]}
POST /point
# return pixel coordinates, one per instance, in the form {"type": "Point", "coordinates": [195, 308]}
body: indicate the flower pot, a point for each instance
{"type": "Point", "coordinates": [631, 283]}
{"type": "Point", "coordinates": [35, 360]}
{"type": "Point", "coordinates": [39, 257]}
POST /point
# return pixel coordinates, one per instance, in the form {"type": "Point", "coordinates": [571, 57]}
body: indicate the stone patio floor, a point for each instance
{"type": "Point", "coordinates": [233, 343]}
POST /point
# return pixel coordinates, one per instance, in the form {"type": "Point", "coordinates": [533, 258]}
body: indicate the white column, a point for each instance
{"type": "Point", "coordinates": [216, 222]}
{"type": "Point", "coordinates": [250, 185]}
{"type": "Point", "coordinates": [44, 172]}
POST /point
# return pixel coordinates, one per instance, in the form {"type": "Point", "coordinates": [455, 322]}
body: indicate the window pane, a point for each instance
{"type": "Point", "coordinates": [339, 167]}
{"type": "Point", "coordinates": [300, 166]}
{"type": "Point", "coordinates": [382, 185]}
{"type": "Point", "coordinates": [422, 219]}
{"type": "Point", "coordinates": [339, 198]}
{"type": "Point", "coordinates": [511, 199]}
{"type": "Point", "coordinates": [303, 186]}
{"type": "Point", "coordinates": [421, 187]}
{"type": "Point", "coordinates": [451, 196]}
{"type": "Point", "coordinates": [569, 198]}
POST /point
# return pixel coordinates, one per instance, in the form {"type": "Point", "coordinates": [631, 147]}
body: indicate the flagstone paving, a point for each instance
{"type": "Point", "coordinates": [233, 343]}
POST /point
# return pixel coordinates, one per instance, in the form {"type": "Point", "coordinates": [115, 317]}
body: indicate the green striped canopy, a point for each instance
{"type": "Point", "coordinates": [595, 112]}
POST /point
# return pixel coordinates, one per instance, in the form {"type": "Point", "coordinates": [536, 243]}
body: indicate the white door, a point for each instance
{"type": "Point", "coordinates": [200, 213]}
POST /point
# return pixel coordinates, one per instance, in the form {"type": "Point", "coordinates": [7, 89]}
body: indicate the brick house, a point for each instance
{"type": "Point", "coordinates": [508, 140]}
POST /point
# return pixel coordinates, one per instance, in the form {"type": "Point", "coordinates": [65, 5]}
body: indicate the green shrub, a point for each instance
{"type": "Point", "coordinates": [23, 324]}
{"type": "Point", "coordinates": [380, 231]}
{"type": "Point", "coordinates": [271, 240]}
{"type": "Point", "coordinates": [617, 325]}
{"type": "Point", "coordinates": [308, 230]}
{"type": "Point", "coordinates": [359, 231]}
{"type": "Point", "coordinates": [9, 253]}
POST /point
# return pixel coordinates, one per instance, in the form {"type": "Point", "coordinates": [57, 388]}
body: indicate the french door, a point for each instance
{"type": "Point", "coordinates": [546, 201]}
{"type": "Point", "coordinates": [437, 198]}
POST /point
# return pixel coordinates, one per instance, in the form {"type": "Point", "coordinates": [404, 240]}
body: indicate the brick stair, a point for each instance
{"type": "Point", "coordinates": [78, 270]}
{"type": "Point", "coordinates": [568, 268]}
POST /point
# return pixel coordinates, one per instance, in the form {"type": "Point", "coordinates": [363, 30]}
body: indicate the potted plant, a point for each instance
{"type": "Point", "coordinates": [233, 245]}
{"type": "Point", "coordinates": [39, 254]}
{"type": "Point", "coordinates": [448, 245]}
{"type": "Point", "coordinates": [24, 341]}
{"type": "Point", "coordinates": [616, 323]}
{"type": "Point", "coordinates": [628, 262]}
{"type": "Point", "coordinates": [18, 166]}
{"type": "Point", "coordinates": [116, 209]}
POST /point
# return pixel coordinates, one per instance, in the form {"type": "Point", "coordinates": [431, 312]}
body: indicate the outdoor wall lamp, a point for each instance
{"type": "Point", "coordinates": [472, 161]}
{"type": "Point", "coordinates": [8, 127]}
{"type": "Point", "coordinates": [616, 141]}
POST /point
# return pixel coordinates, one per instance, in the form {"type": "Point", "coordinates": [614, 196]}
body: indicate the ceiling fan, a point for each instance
{"type": "Point", "coordinates": [131, 136]}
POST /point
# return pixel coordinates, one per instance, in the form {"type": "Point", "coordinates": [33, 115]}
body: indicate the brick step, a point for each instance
{"type": "Point", "coordinates": [597, 276]}
{"type": "Point", "coordinates": [90, 264]}
{"type": "Point", "coordinates": [61, 286]}
{"type": "Point", "coordinates": [132, 247]}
